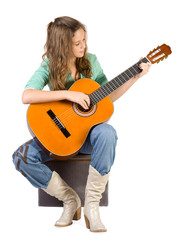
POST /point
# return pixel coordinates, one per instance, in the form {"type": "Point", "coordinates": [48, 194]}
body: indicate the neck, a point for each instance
{"type": "Point", "coordinates": [115, 83]}
{"type": "Point", "coordinates": [72, 62]}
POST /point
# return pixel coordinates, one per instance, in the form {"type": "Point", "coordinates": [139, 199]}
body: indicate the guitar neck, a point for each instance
{"type": "Point", "coordinates": [115, 83]}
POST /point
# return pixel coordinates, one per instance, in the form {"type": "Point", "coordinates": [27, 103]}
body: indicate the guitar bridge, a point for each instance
{"type": "Point", "coordinates": [58, 123]}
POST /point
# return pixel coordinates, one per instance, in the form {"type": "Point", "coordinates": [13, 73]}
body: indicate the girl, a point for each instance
{"type": "Point", "coordinates": [66, 60]}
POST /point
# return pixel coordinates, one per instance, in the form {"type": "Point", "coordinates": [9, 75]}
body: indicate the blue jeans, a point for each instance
{"type": "Point", "coordinates": [101, 142]}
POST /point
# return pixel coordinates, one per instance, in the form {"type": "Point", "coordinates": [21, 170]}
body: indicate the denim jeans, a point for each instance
{"type": "Point", "coordinates": [101, 142]}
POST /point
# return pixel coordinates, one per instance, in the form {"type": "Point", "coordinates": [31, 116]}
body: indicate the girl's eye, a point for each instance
{"type": "Point", "coordinates": [77, 44]}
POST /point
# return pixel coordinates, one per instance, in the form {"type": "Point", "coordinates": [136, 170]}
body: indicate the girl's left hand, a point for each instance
{"type": "Point", "coordinates": [145, 68]}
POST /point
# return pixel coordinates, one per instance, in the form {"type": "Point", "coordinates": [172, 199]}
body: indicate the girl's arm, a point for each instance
{"type": "Point", "coordinates": [30, 96]}
{"type": "Point", "coordinates": [121, 90]}
{"type": "Point", "coordinates": [39, 96]}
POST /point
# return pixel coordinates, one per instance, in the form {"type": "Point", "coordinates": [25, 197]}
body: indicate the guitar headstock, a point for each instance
{"type": "Point", "coordinates": [159, 53]}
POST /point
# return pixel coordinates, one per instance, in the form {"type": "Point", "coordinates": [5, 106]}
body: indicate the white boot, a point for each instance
{"type": "Point", "coordinates": [58, 188]}
{"type": "Point", "coordinates": [95, 186]}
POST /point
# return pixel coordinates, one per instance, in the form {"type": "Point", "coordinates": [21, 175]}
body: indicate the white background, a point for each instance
{"type": "Point", "coordinates": [144, 182]}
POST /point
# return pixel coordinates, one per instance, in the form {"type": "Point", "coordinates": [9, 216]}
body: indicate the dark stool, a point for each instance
{"type": "Point", "coordinates": [74, 171]}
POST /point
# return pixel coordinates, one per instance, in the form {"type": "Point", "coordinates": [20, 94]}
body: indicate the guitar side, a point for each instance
{"type": "Point", "coordinates": [62, 127]}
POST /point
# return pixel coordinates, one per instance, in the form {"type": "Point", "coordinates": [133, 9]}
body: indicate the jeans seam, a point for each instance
{"type": "Point", "coordinates": [41, 167]}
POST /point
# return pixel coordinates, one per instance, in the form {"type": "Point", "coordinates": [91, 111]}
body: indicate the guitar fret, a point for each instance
{"type": "Point", "coordinates": [121, 82]}
{"type": "Point", "coordinates": [117, 84]}
{"type": "Point", "coordinates": [100, 93]}
{"type": "Point", "coordinates": [124, 76]}
{"type": "Point", "coordinates": [129, 73]}
{"type": "Point", "coordinates": [93, 101]}
{"type": "Point", "coordinates": [109, 87]}
{"type": "Point", "coordinates": [137, 69]}
{"type": "Point", "coordinates": [96, 97]}
{"type": "Point", "coordinates": [105, 90]}
{"type": "Point", "coordinates": [133, 71]}
{"type": "Point", "coordinates": [113, 85]}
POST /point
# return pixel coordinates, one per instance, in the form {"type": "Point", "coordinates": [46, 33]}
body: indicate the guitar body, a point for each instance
{"type": "Point", "coordinates": [62, 127]}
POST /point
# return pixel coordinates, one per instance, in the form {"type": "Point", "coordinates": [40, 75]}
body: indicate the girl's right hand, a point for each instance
{"type": "Point", "coordinates": [78, 97]}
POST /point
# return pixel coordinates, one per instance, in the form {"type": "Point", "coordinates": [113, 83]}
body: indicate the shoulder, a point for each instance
{"type": "Point", "coordinates": [45, 62]}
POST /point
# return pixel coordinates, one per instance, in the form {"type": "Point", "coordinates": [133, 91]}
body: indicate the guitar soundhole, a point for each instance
{"type": "Point", "coordinates": [84, 112]}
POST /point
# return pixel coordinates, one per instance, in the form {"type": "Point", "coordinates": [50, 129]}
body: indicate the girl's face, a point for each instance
{"type": "Point", "coordinates": [79, 43]}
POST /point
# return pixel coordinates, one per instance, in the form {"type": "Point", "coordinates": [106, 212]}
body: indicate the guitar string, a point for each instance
{"type": "Point", "coordinates": [67, 116]}
{"type": "Point", "coordinates": [68, 113]}
{"type": "Point", "coordinates": [71, 119]}
{"type": "Point", "coordinates": [65, 112]}
{"type": "Point", "coordinates": [98, 94]}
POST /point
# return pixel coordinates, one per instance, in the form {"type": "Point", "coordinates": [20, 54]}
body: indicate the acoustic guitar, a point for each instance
{"type": "Point", "coordinates": [61, 127]}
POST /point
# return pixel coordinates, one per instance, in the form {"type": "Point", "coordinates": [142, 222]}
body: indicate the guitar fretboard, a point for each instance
{"type": "Point", "coordinates": [115, 83]}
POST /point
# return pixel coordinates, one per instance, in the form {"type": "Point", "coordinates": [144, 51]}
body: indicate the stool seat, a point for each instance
{"type": "Point", "coordinates": [74, 172]}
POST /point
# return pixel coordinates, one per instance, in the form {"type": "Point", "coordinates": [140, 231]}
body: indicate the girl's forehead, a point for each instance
{"type": "Point", "coordinates": [78, 35]}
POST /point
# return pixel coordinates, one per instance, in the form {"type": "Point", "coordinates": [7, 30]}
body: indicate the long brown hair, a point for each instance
{"type": "Point", "coordinates": [58, 48]}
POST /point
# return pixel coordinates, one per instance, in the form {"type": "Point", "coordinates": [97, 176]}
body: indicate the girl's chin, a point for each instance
{"type": "Point", "coordinates": [80, 55]}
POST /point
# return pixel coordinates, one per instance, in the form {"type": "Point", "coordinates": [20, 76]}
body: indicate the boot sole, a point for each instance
{"type": "Point", "coordinates": [77, 216]}
{"type": "Point", "coordinates": [58, 225]}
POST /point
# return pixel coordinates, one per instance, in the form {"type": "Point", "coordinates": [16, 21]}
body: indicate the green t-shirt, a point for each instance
{"type": "Point", "coordinates": [40, 78]}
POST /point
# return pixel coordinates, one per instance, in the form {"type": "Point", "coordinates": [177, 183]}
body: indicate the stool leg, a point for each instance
{"type": "Point", "coordinates": [58, 188]}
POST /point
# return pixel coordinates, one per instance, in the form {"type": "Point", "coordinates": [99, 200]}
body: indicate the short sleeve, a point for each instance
{"type": "Point", "coordinates": [40, 78]}
{"type": "Point", "coordinates": [97, 71]}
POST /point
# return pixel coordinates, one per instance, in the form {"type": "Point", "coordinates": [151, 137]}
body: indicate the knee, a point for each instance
{"type": "Point", "coordinates": [16, 160]}
{"type": "Point", "coordinates": [21, 155]}
{"type": "Point", "coordinates": [106, 134]}
{"type": "Point", "coordinates": [110, 133]}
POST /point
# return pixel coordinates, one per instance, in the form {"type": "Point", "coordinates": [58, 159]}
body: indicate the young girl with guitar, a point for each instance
{"type": "Point", "coordinates": [65, 61]}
